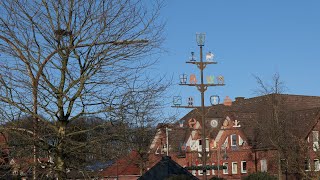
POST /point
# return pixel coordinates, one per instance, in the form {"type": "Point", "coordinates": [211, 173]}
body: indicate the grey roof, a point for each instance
{"type": "Point", "coordinates": [166, 168]}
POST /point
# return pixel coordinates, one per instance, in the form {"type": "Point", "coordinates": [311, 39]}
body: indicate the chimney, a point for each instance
{"type": "Point", "coordinates": [239, 99]}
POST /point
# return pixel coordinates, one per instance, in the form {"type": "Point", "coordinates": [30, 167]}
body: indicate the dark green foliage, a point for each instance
{"type": "Point", "coordinates": [260, 176]}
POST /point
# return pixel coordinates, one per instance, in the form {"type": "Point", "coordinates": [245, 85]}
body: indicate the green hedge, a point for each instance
{"type": "Point", "coordinates": [259, 176]}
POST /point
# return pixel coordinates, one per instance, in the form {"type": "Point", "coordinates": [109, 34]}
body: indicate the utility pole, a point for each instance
{"type": "Point", "coordinates": [202, 87]}
{"type": "Point", "coordinates": [167, 139]}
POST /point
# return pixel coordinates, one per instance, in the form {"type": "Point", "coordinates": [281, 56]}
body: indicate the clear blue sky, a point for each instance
{"type": "Point", "coordinates": [259, 37]}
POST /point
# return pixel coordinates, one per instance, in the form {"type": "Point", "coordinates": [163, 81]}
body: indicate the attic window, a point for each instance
{"type": "Point", "coordinates": [233, 140]}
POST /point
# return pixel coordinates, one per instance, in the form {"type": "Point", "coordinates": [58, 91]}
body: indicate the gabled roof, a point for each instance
{"type": "Point", "coordinates": [300, 112]}
{"type": "Point", "coordinates": [128, 165]}
{"type": "Point", "coordinates": [164, 169]}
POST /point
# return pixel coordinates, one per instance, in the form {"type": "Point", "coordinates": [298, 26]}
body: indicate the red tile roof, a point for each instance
{"type": "Point", "coordinates": [128, 165]}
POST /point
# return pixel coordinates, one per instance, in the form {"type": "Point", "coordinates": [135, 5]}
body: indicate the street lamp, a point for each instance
{"type": "Point", "coordinates": [167, 139]}
{"type": "Point", "coordinates": [200, 37]}
{"type": "Point", "coordinates": [202, 87]}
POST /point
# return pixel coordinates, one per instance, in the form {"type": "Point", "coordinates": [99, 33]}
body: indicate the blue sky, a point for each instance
{"type": "Point", "coordinates": [259, 37]}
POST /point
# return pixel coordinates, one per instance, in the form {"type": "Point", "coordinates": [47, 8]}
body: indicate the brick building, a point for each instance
{"type": "Point", "coordinates": [275, 133]}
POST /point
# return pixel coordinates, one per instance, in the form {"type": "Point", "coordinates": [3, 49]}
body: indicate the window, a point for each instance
{"type": "Point", "coordinates": [213, 169]}
{"type": "Point", "coordinates": [316, 165]}
{"type": "Point", "coordinates": [264, 167]}
{"type": "Point", "coordinates": [315, 137]}
{"type": "Point", "coordinates": [208, 172]}
{"type": "Point", "coordinates": [207, 145]}
{"type": "Point", "coordinates": [225, 171]}
{"type": "Point", "coordinates": [307, 166]}
{"type": "Point", "coordinates": [199, 145]}
{"type": "Point", "coordinates": [233, 140]}
{"type": "Point", "coordinates": [200, 172]}
{"type": "Point", "coordinates": [234, 168]}
{"type": "Point", "coordinates": [194, 172]}
{"type": "Point", "coordinates": [243, 167]}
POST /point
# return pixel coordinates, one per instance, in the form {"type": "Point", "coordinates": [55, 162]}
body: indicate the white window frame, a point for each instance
{"type": "Point", "coordinates": [200, 172]}
{"type": "Point", "coordinates": [308, 165]}
{"type": "Point", "coordinates": [264, 165]}
{"type": "Point", "coordinates": [208, 172]}
{"type": "Point", "coordinates": [243, 171]}
{"type": "Point", "coordinates": [194, 172]}
{"type": "Point", "coordinates": [316, 165]}
{"type": "Point", "coordinates": [200, 145]}
{"type": "Point", "coordinates": [225, 171]}
{"type": "Point", "coordinates": [234, 167]}
{"type": "Point", "coordinates": [213, 173]}
{"type": "Point", "coordinates": [207, 144]}
{"type": "Point", "coordinates": [231, 139]}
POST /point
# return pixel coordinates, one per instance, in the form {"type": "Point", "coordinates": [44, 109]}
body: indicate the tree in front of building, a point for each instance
{"type": "Point", "coordinates": [275, 125]}
{"type": "Point", "coordinates": [62, 60]}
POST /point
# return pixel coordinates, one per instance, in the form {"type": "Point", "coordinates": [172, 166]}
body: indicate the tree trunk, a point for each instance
{"type": "Point", "coordinates": [35, 152]}
{"type": "Point", "coordinates": [279, 166]}
{"type": "Point", "coordinates": [35, 126]}
{"type": "Point", "coordinates": [60, 162]}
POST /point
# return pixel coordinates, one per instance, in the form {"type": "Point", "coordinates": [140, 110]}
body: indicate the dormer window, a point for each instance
{"type": "Point", "coordinates": [233, 140]}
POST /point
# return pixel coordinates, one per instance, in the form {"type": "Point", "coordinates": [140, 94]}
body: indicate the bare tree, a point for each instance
{"type": "Point", "coordinates": [275, 122]}
{"type": "Point", "coordinates": [67, 59]}
{"type": "Point", "coordinates": [144, 112]}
